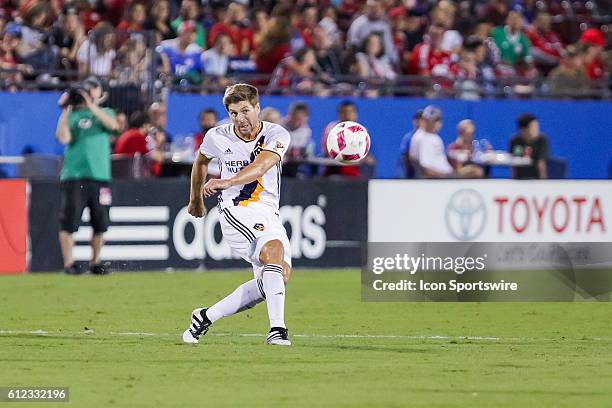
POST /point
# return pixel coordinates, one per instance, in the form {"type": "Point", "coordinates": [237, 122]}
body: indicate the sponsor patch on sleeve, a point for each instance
{"type": "Point", "coordinates": [277, 147]}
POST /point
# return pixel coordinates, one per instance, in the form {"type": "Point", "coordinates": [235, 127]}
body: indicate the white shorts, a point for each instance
{"type": "Point", "coordinates": [248, 229]}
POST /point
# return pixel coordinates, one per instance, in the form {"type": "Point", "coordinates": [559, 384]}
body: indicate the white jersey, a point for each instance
{"type": "Point", "coordinates": [432, 155]}
{"type": "Point", "coordinates": [415, 143]}
{"type": "Point", "coordinates": [234, 153]}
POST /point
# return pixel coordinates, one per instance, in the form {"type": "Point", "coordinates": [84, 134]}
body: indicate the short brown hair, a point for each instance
{"type": "Point", "coordinates": [299, 107]}
{"type": "Point", "coordinates": [240, 92]}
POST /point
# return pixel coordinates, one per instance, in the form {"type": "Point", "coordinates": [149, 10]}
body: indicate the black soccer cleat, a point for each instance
{"type": "Point", "coordinates": [74, 269]}
{"type": "Point", "coordinates": [278, 336]}
{"type": "Point", "coordinates": [199, 326]}
{"type": "Point", "coordinates": [99, 269]}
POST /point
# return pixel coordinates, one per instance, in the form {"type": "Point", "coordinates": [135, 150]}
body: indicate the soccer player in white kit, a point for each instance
{"type": "Point", "coordinates": [250, 153]}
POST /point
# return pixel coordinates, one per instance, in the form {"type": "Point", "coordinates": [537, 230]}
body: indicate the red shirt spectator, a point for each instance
{"type": "Point", "coordinates": [463, 70]}
{"type": "Point", "coordinates": [115, 10]}
{"type": "Point", "coordinates": [308, 22]}
{"type": "Point", "coordinates": [275, 43]}
{"type": "Point", "coordinates": [428, 58]}
{"type": "Point", "coordinates": [243, 38]}
{"type": "Point", "coordinates": [232, 31]}
{"type": "Point", "coordinates": [134, 22]}
{"type": "Point", "coordinates": [89, 16]}
{"type": "Point", "coordinates": [547, 48]}
{"type": "Point", "coordinates": [247, 40]}
{"type": "Point", "coordinates": [595, 69]}
{"type": "Point", "coordinates": [131, 141]}
{"type": "Point", "coordinates": [306, 35]}
{"type": "Point", "coordinates": [596, 42]}
{"type": "Point", "coordinates": [134, 140]}
{"type": "Point", "coordinates": [267, 62]}
{"type": "Point", "coordinates": [427, 61]}
{"type": "Point", "coordinates": [547, 42]}
{"type": "Point", "coordinates": [127, 26]}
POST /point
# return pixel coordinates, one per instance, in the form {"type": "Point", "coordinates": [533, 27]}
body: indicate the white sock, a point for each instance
{"type": "Point", "coordinates": [244, 297]}
{"type": "Point", "coordinates": [257, 271]}
{"type": "Point", "coordinates": [274, 287]}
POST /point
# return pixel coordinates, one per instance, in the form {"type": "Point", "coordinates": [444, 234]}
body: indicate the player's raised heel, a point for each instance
{"type": "Point", "coordinates": [279, 336]}
{"type": "Point", "coordinates": [199, 326]}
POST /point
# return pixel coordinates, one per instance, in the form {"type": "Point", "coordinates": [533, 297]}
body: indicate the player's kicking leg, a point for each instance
{"type": "Point", "coordinates": [274, 272]}
{"type": "Point", "coordinates": [244, 297]}
{"type": "Point", "coordinates": [248, 295]}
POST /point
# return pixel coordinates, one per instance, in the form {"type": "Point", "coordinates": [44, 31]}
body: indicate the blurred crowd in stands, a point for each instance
{"type": "Point", "coordinates": [422, 150]}
{"type": "Point", "coordinates": [144, 136]}
{"type": "Point", "coordinates": [423, 154]}
{"type": "Point", "coordinates": [466, 49]}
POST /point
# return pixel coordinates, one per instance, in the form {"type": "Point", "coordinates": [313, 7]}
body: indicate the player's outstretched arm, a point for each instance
{"type": "Point", "coordinates": [264, 162]}
{"type": "Point", "coordinates": [199, 171]}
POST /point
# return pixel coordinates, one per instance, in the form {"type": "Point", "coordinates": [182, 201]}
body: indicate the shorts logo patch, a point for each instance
{"type": "Point", "coordinates": [259, 227]}
{"type": "Point", "coordinates": [106, 197]}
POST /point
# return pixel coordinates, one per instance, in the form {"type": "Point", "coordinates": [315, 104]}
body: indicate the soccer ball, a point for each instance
{"type": "Point", "coordinates": [348, 142]}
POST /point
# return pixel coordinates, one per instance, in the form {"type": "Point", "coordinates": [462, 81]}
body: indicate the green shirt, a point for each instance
{"type": "Point", "coordinates": [87, 156]}
{"type": "Point", "coordinates": [512, 47]}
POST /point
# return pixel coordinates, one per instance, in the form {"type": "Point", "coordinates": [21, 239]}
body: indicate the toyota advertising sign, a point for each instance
{"type": "Point", "coordinates": [490, 211]}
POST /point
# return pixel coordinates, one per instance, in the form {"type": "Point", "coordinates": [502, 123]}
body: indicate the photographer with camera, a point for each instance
{"type": "Point", "coordinates": [86, 129]}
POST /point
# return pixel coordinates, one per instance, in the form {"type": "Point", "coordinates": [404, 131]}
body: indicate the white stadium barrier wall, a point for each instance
{"type": "Point", "coordinates": [489, 211]}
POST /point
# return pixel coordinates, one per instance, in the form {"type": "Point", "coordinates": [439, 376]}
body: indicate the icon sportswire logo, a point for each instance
{"type": "Point", "coordinates": [465, 215]}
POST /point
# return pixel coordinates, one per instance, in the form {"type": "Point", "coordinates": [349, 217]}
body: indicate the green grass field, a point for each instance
{"type": "Point", "coordinates": [346, 353]}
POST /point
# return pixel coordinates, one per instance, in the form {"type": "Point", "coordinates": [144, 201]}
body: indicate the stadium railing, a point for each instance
{"type": "Point", "coordinates": [131, 95]}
